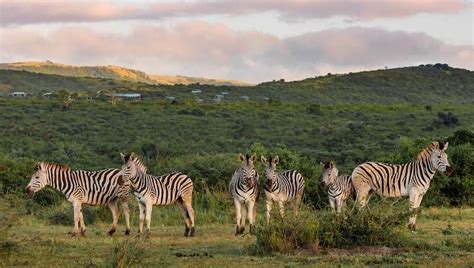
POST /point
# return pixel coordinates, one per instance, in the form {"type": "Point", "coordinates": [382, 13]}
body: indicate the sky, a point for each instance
{"type": "Point", "coordinates": [248, 40]}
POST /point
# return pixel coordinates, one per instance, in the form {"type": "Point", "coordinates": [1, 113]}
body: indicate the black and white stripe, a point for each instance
{"type": "Point", "coordinates": [84, 187]}
{"type": "Point", "coordinates": [339, 187]}
{"type": "Point", "coordinates": [410, 179]}
{"type": "Point", "coordinates": [162, 190]}
{"type": "Point", "coordinates": [244, 190]}
{"type": "Point", "coordinates": [281, 187]}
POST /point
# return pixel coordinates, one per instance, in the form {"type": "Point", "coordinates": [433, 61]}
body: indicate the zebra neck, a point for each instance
{"type": "Point", "coordinates": [58, 179]}
{"type": "Point", "coordinates": [137, 180]}
{"type": "Point", "coordinates": [425, 167]}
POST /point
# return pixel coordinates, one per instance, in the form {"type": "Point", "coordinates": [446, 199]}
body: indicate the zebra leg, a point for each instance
{"type": "Point", "coordinates": [339, 205]}
{"type": "Point", "coordinates": [190, 214]}
{"type": "Point", "coordinates": [244, 218]}
{"type": "Point", "coordinates": [77, 218]}
{"type": "Point", "coordinates": [141, 208]}
{"type": "Point", "coordinates": [115, 215]}
{"type": "Point", "coordinates": [282, 209]}
{"type": "Point", "coordinates": [269, 204]}
{"type": "Point", "coordinates": [148, 209]}
{"type": "Point", "coordinates": [362, 195]}
{"type": "Point", "coordinates": [296, 204]}
{"type": "Point", "coordinates": [332, 203]}
{"type": "Point", "coordinates": [415, 201]}
{"type": "Point", "coordinates": [187, 223]}
{"type": "Point", "coordinates": [82, 224]}
{"type": "Point", "coordinates": [126, 212]}
{"type": "Point", "coordinates": [250, 215]}
{"type": "Point", "coordinates": [238, 214]}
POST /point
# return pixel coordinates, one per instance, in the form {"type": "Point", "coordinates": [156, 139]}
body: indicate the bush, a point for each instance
{"type": "Point", "coordinates": [287, 235]}
{"type": "Point", "coordinates": [381, 224]}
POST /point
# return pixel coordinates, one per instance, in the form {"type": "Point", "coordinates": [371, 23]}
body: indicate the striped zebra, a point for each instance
{"type": "Point", "coordinates": [84, 187]}
{"type": "Point", "coordinates": [158, 190]}
{"type": "Point", "coordinates": [281, 187]}
{"type": "Point", "coordinates": [339, 187]}
{"type": "Point", "coordinates": [244, 190]}
{"type": "Point", "coordinates": [410, 179]}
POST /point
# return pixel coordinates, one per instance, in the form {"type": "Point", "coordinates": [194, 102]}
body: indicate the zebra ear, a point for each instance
{"type": "Point", "coordinates": [263, 160]}
{"type": "Point", "coordinates": [37, 166]}
{"type": "Point", "coordinates": [242, 157]}
{"type": "Point", "coordinates": [122, 156]}
{"type": "Point", "coordinates": [331, 164]}
{"type": "Point", "coordinates": [445, 146]}
{"type": "Point", "coordinates": [253, 158]}
{"type": "Point", "coordinates": [276, 160]}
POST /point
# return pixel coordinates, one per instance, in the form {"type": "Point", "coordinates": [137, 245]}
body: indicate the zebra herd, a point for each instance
{"type": "Point", "coordinates": [111, 186]}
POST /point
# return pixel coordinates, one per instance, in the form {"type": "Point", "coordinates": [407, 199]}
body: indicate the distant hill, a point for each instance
{"type": "Point", "coordinates": [424, 84]}
{"type": "Point", "coordinates": [112, 72]}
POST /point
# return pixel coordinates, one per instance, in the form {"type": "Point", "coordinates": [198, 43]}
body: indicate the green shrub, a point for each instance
{"type": "Point", "coordinates": [287, 235]}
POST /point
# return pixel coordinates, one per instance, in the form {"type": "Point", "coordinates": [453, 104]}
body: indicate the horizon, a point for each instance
{"type": "Point", "coordinates": [254, 41]}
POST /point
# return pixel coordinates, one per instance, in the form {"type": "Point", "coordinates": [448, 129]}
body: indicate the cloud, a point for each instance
{"type": "Point", "coordinates": [42, 11]}
{"type": "Point", "coordinates": [215, 50]}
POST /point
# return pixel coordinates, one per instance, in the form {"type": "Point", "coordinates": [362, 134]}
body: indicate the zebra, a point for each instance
{"type": "Point", "coordinates": [410, 179]}
{"type": "Point", "coordinates": [84, 187]}
{"type": "Point", "coordinates": [339, 187]}
{"type": "Point", "coordinates": [281, 187]}
{"type": "Point", "coordinates": [244, 190]}
{"type": "Point", "coordinates": [162, 190]}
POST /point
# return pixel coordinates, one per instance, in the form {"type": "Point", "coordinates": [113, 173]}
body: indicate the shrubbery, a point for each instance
{"type": "Point", "coordinates": [380, 224]}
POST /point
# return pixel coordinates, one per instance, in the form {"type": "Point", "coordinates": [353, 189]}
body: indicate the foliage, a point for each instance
{"type": "Point", "coordinates": [125, 254]}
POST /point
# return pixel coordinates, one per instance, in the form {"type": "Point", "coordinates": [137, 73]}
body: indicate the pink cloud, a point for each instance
{"type": "Point", "coordinates": [213, 50]}
{"type": "Point", "coordinates": [42, 11]}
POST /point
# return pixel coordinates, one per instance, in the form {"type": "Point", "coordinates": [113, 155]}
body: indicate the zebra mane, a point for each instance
{"type": "Point", "coordinates": [134, 157]}
{"type": "Point", "coordinates": [435, 145]}
{"type": "Point", "coordinates": [48, 165]}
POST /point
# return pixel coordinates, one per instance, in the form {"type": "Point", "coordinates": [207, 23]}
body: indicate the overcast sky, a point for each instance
{"type": "Point", "coordinates": [250, 40]}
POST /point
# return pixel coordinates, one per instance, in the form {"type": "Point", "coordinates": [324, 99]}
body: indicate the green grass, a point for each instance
{"type": "Point", "coordinates": [444, 239]}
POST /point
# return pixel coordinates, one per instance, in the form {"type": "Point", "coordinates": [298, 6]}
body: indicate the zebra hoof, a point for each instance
{"type": "Point", "coordinates": [148, 234]}
{"type": "Point", "coordinates": [83, 233]}
{"type": "Point", "coordinates": [412, 227]}
{"type": "Point", "coordinates": [73, 234]}
{"type": "Point", "coordinates": [111, 232]}
{"type": "Point", "coordinates": [239, 230]}
{"type": "Point", "coordinates": [191, 233]}
{"type": "Point", "coordinates": [186, 231]}
{"type": "Point", "coordinates": [127, 232]}
{"type": "Point", "coordinates": [252, 229]}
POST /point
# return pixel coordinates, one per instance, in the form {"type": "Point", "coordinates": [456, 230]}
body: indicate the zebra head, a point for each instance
{"type": "Point", "coordinates": [330, 173]}
{"type": "Point", "coordinates": [248, 170]}
{"type": "Point", "coordinates": [132, 166]}
{"type": "Point", "coordinates": [439, 158]}
{"type": "Point", "coordinates": [270, 169]}
{"type": "Point", "coordinates": [39, 179]}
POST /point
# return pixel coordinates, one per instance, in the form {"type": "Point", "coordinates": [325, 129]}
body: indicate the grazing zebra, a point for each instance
{"type": "Point", "coordinates": [410, 179]}
{"type": "Point", "coordinates": [243, 188]}
{"type": "Point", "coordinates": [158, 190]}
{"type": "Point", "coordinates": [339, 187]}
{"type": "Point", "coordinates": [281, 187]}
{"type": "Point", "coordinates": [84, 187]}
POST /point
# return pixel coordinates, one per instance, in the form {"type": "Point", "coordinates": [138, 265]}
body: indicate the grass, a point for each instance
{"type": "Point", "coordinates": [444, 239]}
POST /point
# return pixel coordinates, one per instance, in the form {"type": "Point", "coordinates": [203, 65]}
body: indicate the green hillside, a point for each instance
{"type": "Point", "coordinates": [424, 84]}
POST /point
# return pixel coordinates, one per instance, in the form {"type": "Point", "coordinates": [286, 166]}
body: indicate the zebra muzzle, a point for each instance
{"type": "Point", "coordinates": [324, 185]}
{"type": "Point", "coordinates": [449, 171]}
{"type": "Point", "coordinates": [30, 192]}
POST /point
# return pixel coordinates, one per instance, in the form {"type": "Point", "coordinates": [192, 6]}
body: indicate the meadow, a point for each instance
{"type": "Point", "coordinates": [203, 140]}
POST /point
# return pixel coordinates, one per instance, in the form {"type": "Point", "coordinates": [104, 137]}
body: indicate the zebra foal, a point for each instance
{"type": "Point", "coordinates": [84, 187]}
{"type": "Point", "coordinates": [339, 187]}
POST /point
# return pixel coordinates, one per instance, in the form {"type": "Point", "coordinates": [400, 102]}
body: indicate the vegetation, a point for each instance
{"type": "Point", "coordinates": [349, 119]}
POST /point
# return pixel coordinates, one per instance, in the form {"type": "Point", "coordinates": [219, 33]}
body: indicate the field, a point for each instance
{"type": "Point", "coordinates": [444, 238]}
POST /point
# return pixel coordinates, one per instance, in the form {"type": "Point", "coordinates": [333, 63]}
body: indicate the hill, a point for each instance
{"type": "Point", "coordinates": [424, 84]}
{"type": "Point", "coordinates": [111, 72]}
